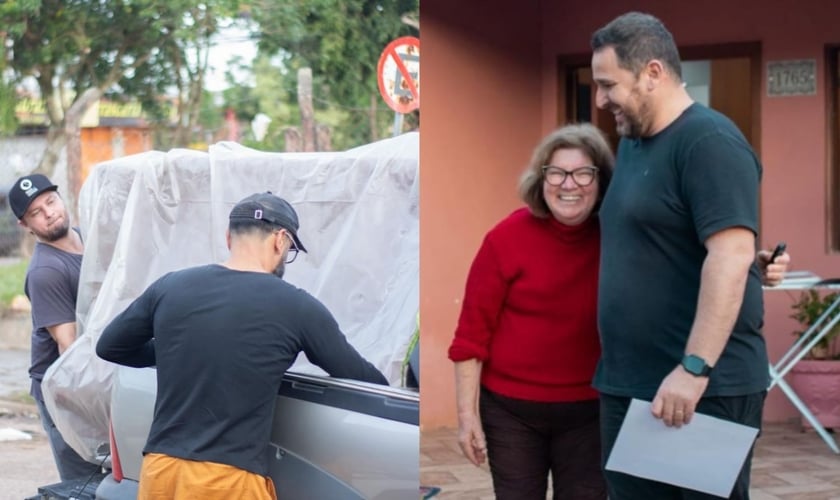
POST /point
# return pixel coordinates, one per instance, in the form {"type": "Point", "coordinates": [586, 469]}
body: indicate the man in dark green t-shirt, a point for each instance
{"type": "Point", "coordinates": [680, 304]}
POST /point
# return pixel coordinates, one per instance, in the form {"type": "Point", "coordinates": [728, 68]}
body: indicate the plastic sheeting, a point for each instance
{"type": "Point", "coordinates": [145, 215]}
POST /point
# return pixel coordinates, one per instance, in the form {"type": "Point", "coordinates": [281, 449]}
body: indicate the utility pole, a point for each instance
{"type": "Point", "coordinates": [307, 113]}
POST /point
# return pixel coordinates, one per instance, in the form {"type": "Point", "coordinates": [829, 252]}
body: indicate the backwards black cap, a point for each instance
{"type": "Point", "coordinates": [270, 208]}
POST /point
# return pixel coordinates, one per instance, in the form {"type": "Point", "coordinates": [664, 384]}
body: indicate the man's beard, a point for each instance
{"type": "Point", "coordinates": [633, 127]}
{"type": "Point", "coordinates": [280, 270]}
{"type": "Point", "coordinates": [56, 233]}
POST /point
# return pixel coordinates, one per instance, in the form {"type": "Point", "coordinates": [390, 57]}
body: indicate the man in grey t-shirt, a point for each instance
{"type": "Point", "coordinates": [52, 282]}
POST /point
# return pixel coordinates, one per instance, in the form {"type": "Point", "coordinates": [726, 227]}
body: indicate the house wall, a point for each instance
{"type": "Point", "coordinates": [480, 119]}
{"type": "Point", "coordinates": [495, 43]}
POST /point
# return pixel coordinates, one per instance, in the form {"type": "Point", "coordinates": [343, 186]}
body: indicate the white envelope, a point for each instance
{"type": "Point", "coordinates": [705, 455]}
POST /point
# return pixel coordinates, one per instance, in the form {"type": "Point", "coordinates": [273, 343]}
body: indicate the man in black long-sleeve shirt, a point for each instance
{"type": "Point", "coordinates": [222, 336]}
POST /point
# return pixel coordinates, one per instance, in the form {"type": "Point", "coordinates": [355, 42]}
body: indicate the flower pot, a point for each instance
{"type": "Point", "coordinates": [817, 383]}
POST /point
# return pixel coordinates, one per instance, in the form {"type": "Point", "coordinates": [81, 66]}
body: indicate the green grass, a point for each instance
{"type": "Point", "coordinates": [21, 397]}
{"type": "Point", "coordinates": [11, 281]}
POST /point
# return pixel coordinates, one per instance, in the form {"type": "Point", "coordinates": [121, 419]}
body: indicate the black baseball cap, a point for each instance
{"type": "Point", "coordinates": [270, 208]}
{"type": "Point", "coordinates": [26, 189]}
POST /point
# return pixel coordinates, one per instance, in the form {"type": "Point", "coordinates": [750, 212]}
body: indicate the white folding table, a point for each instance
{"type": "Point", "coordinates": [803, 280]}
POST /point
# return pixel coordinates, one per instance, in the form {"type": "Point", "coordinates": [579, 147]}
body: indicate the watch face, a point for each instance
{"type": "Point", "coordinates": [694, 365]}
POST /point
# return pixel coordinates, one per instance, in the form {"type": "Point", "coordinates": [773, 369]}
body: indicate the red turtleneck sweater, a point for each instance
{"type": "Point", "coordinates": [529, 311]}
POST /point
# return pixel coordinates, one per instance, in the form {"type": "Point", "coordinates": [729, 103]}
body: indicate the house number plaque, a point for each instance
{"type": "Point", "coordinates": [795, 77]}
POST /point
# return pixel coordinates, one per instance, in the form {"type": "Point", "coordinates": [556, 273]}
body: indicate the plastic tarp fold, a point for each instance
{"type": "Point", "coordinates": [148, 214]}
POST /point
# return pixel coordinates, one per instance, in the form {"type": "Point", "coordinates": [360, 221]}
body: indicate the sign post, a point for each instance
{"type": "Point", "coordinates": [398, 76]}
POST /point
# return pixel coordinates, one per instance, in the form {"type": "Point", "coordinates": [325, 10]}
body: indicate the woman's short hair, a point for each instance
{"type": "Point", "coordinates": [582, 136]}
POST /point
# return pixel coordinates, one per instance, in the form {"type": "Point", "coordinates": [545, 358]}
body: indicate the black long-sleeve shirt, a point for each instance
{"type": "Point", "coordinates": [221, 341]}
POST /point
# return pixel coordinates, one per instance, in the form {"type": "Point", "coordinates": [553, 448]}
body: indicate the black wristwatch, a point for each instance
{"type": "Point", "coordinates": [696, 365]}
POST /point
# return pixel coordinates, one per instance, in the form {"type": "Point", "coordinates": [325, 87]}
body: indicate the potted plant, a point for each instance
{"type": "Point", "coordinates": [816, 378]}
{"type": "Point", "coordinates": [807, 310]}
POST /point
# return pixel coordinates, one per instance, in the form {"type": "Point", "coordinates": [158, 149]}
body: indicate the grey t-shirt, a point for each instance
{"type": "Point", "coordinates": [52, 284]}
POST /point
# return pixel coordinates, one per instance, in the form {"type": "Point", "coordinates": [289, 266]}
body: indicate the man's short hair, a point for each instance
{"type": "Point", "coordinates": [242, 227]}
{"type": "Point", "coordinates": [638, 38]}
{"type": "Point", "coordinates": [264, 212]}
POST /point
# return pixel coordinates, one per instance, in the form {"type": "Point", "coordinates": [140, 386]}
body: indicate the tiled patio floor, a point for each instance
{"type": "Point", "coordinates": [789, 465]}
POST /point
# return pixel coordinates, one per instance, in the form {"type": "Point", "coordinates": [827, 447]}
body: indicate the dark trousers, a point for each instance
{"type": "Point", "coordinates": [70, 465]}
{"type": "Point", "coordinates": [746, 410]}
{"type": "Point", "coordinates": [527, 440]}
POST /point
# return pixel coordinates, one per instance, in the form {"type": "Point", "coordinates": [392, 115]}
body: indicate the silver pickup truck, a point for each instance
{"type": "Point", "coordinates": [145, 215]}
{"type": "Point", "coordinates": [334, 439]}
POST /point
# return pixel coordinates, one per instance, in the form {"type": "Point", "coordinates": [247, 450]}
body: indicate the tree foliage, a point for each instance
{"type": "Point", "coordinates": [80, 50]}
{"type": "Point", "coordinates": [271, 95]}
{"type": "Point", "coordinates": [341, 40]}
{"type": "Point", "coordinates": [8, 99]}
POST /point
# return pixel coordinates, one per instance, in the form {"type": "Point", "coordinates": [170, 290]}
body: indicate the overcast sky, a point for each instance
{"type": "Point", "coordinates": [228, 44]}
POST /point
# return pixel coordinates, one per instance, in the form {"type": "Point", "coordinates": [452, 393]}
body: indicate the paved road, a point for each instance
{"type": "Point", "coordinates": [14, 375]}
{"type": "Point", "coordinates": [24, 465]}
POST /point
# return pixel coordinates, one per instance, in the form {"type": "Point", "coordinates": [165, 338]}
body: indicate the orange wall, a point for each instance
{"type": "Point", "coordinates": [480, 120]}
{"type": "Point", "coordinates": [98, 144]}
{"type": "Point", "coordinates": [491, 126]}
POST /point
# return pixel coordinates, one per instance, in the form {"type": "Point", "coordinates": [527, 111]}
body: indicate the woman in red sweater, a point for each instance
{"type": "Point", "coordinates": [526, 344]}
{"type": "Point", "coordinates": [527, 339]}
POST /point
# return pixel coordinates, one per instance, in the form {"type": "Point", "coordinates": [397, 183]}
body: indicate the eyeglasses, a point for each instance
{"type": "Point", "coordinates": [293, 250]}
{"type": "Point", "coordinates": [556, 176]}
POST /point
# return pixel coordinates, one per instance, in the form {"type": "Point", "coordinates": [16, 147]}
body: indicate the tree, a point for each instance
{"type": "Point", "coordinates": [341, 40]}
{"type": "Point", "coordinates": [81, 50]}
{"type": "Point", "coordinates": [272, 94]}
{"type": "Point", "coordinates": [8, 123]}
{"type": "Point", "coordinates": [188, 62]}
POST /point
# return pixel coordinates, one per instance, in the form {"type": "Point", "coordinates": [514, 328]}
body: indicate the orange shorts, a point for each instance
{"type": "Point", "coordinates": [165, 477]}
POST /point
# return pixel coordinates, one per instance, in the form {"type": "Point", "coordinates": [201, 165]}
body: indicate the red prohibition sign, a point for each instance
{"type": "Point", "coordinates": [398, 74]}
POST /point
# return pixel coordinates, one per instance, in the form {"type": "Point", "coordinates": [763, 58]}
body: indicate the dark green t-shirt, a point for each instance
{"type": "Point", "coordinates": [669, 193]}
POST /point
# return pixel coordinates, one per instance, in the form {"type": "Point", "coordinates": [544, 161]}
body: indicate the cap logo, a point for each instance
{"type": "Point", "coordinates": [258, 214]}
{"type": "Point", "coordinates": [26, 187]}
